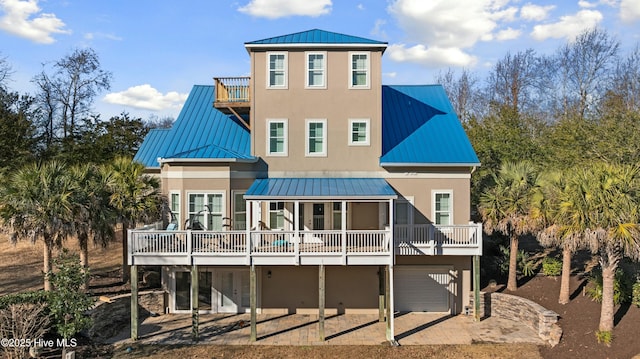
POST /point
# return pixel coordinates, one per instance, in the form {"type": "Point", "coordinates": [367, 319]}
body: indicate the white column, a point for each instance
{"type": "Point", "coordinates": [248, 220]}
{"type": "Point", "coordinates": [343, 228]}
{"type": "Point", "coordinates": [297, 240]}
{"type": "Point", "coordinates": [392, 245]}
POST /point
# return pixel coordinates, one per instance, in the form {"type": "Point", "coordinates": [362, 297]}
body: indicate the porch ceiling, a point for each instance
{"type": "Point", "coordinates": [320, 189]}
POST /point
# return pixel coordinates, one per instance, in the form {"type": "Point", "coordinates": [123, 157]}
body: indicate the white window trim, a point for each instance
{"type": "Point", "coordinates": [179, 213]}
{"type": "Point", "coordinates": [324, 71]}
{"type": "Point", "coordinates": [286, 71]}
{"type": "Point", "coordinates": [367, 141]}
{"type": "Point", "coordinates": [368, 85]}
{"type": "Point", "coordinates": [285, 152]}
{"type": "Point", "coordinates": [433, 204]}
{"type": "Point", "coordinates": [233, 209]}
{"type": "Point", "coordinates": [224, 205]}
{"type": "Point", "coordinates": [324, 137]}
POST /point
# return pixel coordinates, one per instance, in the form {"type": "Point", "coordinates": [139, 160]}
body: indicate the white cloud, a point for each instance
{"type": "Point", "coordinates": [534, 12]}
{"type": "Point", "coordinates": [568, 27]}
{"type": "Point", "coordinates": [586, 5]}
{"type": "Point", "coordinates": [442, 30]}
{"type": "Point", "coordinates": [24, 18]}
{"type": "Point", "coordinates": [508, 34]}
{"type": "Point", "coordinates": [360, 7]}
{"type": "Point", "coordinates": [147, 98]}
{"type": "Point", "coordinates": [378, 28]}
{"type": "Point", "coordinates": [432, 56]}
{"type": "Point", "coordinates": [273, 9]}
{"type": "Point", "coordinates": [100, 35]}
{"type": "Point", "coordinates": [390, 75]}
{"type": "Point", "coordinates": [630, 10]}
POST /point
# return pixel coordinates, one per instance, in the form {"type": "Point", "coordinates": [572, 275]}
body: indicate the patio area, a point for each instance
{"type": "Point", "coordinates": [351, 329]}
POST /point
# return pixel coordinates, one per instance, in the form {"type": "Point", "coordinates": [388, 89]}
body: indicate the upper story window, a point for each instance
{"type": "Point", "coordinates": [277, 141]}
{"type": "Point", "coordinates": [359, 69]}
{"type": "Point", "coordinates": [277, 70]}
{"type": "Point", "coordinates": [316, 70]}
{"type": "Point", "coordinates": [239, 211]}
{"type": "Point", "coordinates": [316, 138]}
{"type": "Point", "coordinates": [359, 132]}
{"type": "Point", "coordinates": [443, 207]}
{"type": "Point", "coordinates": [174, 206]}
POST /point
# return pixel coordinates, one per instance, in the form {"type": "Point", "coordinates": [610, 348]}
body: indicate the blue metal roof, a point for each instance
{"type": "Point", "coordinates": [315, 36]}
{"type": "Point", "coordinates": [320, 188]}
{"type": "Point", "coordinates": [199, 132]}
{"type": "Point", "coordinates": [152, 145]}
{"type": "Point", "coordinates": [420, 127]}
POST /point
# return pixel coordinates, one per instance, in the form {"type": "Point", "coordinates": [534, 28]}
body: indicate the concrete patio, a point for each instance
{"type": "Point", "coordinates": [351, 329]}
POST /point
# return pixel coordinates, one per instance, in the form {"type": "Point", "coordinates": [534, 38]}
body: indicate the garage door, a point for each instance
{"type": "Point", "coordinates": [422, 288]}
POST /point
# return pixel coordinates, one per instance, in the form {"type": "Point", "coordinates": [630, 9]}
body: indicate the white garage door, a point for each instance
{"type": "Point", "coordinates": [422, 288]}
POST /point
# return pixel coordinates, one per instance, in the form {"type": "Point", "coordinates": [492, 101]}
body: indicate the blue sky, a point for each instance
{"type": "Point", "coordinates": [157, 50]}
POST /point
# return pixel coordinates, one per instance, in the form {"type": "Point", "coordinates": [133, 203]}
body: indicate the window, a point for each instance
{"type": "Point", "coordinates": [207, 209]}
{"type": "Point", "coordinates": [316, 70]}
{"type": "Point", "coordinates": [239, 211]}
{"type": "Point", "coordinates": [277, 138]}
{"type": "Point", "coordinates": [359, 132]}
{"type": "Point", "coordinates": [359, 70]}
{"type": "Point", "coordinates": [277, 70]}
{"type": "Point", "coordinates": [443, 207]}
{"type": "Point", "coordinates": [276, 215]}
{"type": "Point", "coordinates": [337, 215]}
{"type": "Point", "coordinates": [316, 137]}
{"type": "Point", "coordinates": [174, 207]}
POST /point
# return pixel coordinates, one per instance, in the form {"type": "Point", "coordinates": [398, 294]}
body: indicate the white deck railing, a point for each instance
{"type": "Point", "coordinates": [408, 240]}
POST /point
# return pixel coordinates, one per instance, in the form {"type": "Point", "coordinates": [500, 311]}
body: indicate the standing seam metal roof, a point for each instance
{"type": "Point", "coordinates": [315, 36]}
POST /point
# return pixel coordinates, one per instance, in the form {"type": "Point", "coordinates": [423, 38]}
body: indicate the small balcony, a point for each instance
{"type": "Point", "coordinates": [232, 95]}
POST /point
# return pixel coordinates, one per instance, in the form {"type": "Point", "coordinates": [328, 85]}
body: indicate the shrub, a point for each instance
{"type": "Point", "coordinates": [635, 296]}
{"type": "Point", "coordinates": [35, 297]}
{"type": "Point", "coordinates": [604, 337]}
{"type": "Point", "coordinates": [551, 266]}
{"type": "Point", "coordinates": [621, 286]}
{"type": "Point", "coordinates": [22, 321]}
{"type": "Point", "coordinates": [525, 265]}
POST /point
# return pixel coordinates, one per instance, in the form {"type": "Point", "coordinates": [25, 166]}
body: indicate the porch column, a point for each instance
{"type": "Point", "coordinates": [253, 293]}
{"type": "Point", "coordinates": [134, 302]}
{"type": "Point", "coordinates": [381, 292]}
{"type": "Point", "coordinates": [296, 231]}
{"type": "Point", "coordinates": [392, 245]}
{"type": "Point", "coordinates": [321, 301]}
{"type": "Point", "coordinates": [194, 304]}
{"type": "Point", "coordinates": [343, 228]}
{"type": "Point", "coordinates": [390, 304]}
{"type": "Point", "coordinates": [247, 234]}
{"type": "Point", "coordinates": [476, 288]}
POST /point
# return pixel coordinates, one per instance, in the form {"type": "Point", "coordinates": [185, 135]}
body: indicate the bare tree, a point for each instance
{"type": "Point", "coordinates": [67, 93]}
{"type": "Point", "coordinates": [462, 92]}
{"type": "Point", "coordinates": [584, 71]}
{"type": "Point", "coordinates": [513, 81]}
{"type": "Point", "coordinates": [5, 72]}
{"type": "Point", "coordinates": [626, 82]}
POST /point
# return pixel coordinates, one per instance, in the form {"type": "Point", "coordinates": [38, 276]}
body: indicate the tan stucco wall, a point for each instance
{"type": "Point", "coordinates": [337, 104]}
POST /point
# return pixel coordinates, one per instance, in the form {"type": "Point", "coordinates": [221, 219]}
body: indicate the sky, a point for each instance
{"type": "Point", "coordinates": [158, 49]}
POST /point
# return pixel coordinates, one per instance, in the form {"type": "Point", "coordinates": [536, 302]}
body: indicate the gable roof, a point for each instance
{"type": "Point", "coordinates": [200, 133]}
{"type": "Point", "coordinates": [420, 127]}
{"type": "Point", "coordinates": [316, 37]}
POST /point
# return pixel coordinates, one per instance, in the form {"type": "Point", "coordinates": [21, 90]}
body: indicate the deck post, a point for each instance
{"type": "Point", "coordinates": [476, 288]}
{"type": "Point", "coordinates": [390, 304]}
{"type": "Point", "coordinates": [134, 302]}
{"type": "Point", "coordinates": [381, 293]}
{"type": "Point", "coordinates": [343, 230]}
{"type": "Point", "coordinates": [247, 230]}
{"type": "Point", "coordinates": [297, 240]}
{"type": "Point", "coordinates": [195, 335]}
{"type": "Point", "coordinates": [321, 300]}
{"type": "Point", "coordinates": [253, 293]}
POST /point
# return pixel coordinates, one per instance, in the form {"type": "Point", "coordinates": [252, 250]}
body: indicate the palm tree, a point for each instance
{"type": "Point", "coordinates": [505, 208]}
{"type": "Point", "coordinates": [557, 188]}
{"type": "Point", "coordinates": [135, 196]}
{"type": "Point", "coordinates": [93, 215]}
{"type": "Point", "coordinates": [36, 204]}
{"type": "Point", "coordinates": [603, 207]}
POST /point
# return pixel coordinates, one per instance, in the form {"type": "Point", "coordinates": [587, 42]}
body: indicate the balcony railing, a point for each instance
{"type": "Point", "coordinates": [234, 248]}
{"type": "Point", "coordinates": [232, 90]}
